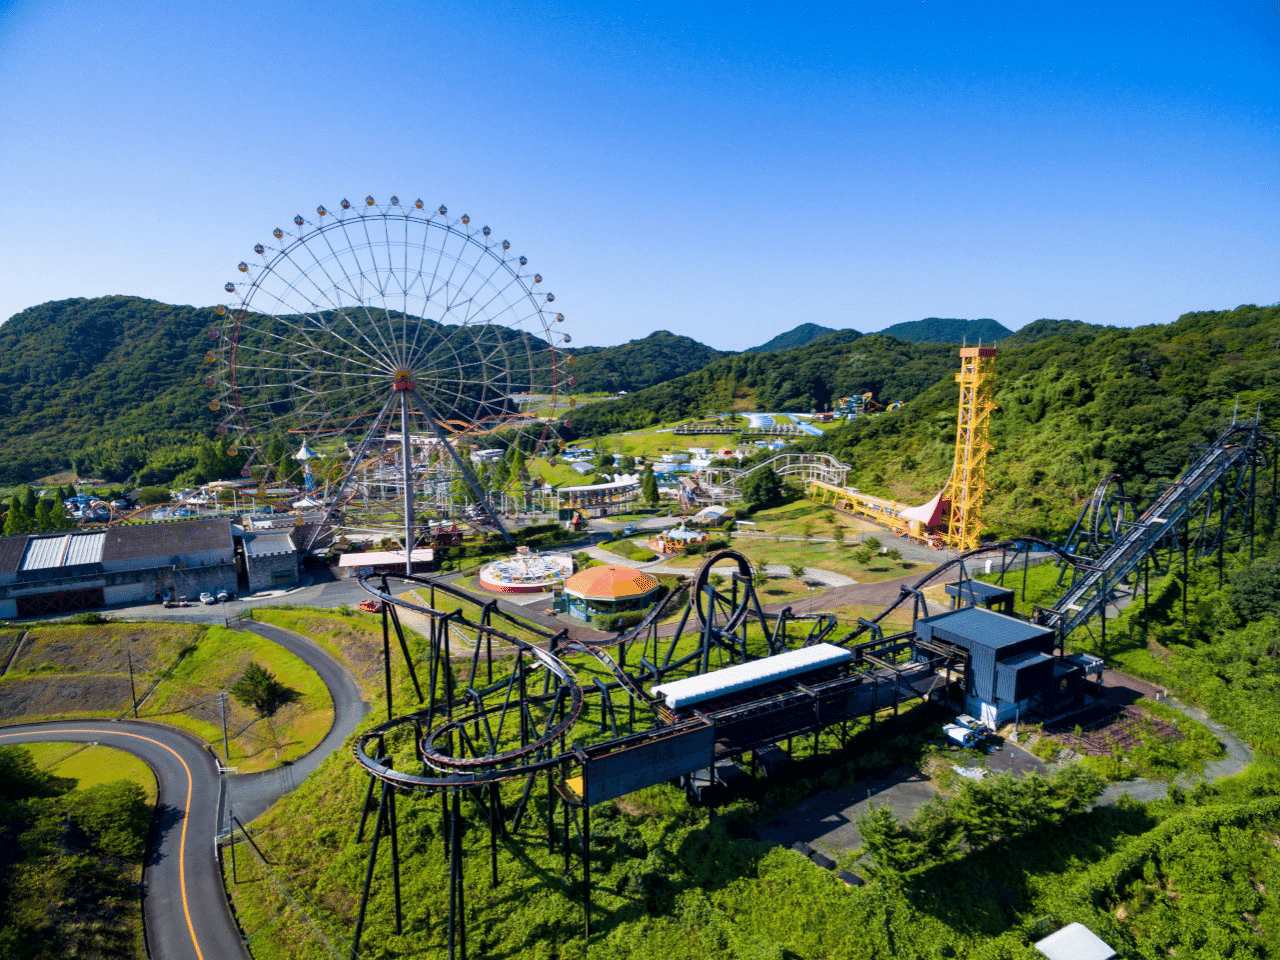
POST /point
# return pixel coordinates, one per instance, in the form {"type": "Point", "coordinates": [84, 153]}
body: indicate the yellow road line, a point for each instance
{"type": "Point", "coordinates": [186, 815]}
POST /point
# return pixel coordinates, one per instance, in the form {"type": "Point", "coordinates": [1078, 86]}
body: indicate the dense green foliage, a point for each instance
{"type": "Point", "coordinates": [980, 814]}
{"type": "Point", "coordinates": [799, 336]}
{"type": "Point", "coordinates": [944, 330]}
{"type": "Point", "coordinates": [636, 364]}
{"type": "Point", "coordinates": [112, 378]}
{"type": "Point", "coordinates": [70, 865]}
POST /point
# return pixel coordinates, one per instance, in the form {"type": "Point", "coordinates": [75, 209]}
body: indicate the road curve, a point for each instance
{"type": "Point", "coordinates": [184, 905]}
{"type": "Point", "coordinates": [251, 794]}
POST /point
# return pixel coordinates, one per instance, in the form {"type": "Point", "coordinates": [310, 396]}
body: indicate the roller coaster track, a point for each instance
{"type": "Point", "coordinates": [1228, 458]}
{"type": "Point", "coordinates": [798, 466]}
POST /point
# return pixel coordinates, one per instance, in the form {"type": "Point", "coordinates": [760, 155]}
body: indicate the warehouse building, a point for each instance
{"type": "Point", "coordinates": [131, 563]}
{"type": "Point", "coordinates": [1010, 665]}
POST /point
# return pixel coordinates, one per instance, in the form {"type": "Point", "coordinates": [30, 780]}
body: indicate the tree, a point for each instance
{"type": "Point", "coordinates": [148, 496]}
{"type": "Point", "coordinates": [871, 543]}
{"type": "Point", "coordinates": [761, 488]}
{"type": "Point", "coordinates": [28, 501]}
{"type": "Point", "coordinates": [258, 688]}
{"type": "Point", "coordinates": [43, 520]}
{"type": "Point", "coordinates": [837, 533]}
{"type": "Point", "coordinates": [759, 577]}
{"type": "Point", "coordinates": [17, 521]}
{"type": "Point", "coordinates": [627, 463]}
{"type": "Point", "coordinates": [797, 571]}
{"type": "Point", "coordinates": [649, 487]}
{"type": "Point", "coordinates": [806, 529]}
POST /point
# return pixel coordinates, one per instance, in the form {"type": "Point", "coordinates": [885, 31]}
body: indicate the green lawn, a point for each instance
{"type": "Point", "coordinates": [92, 764]}
{"type": "Point", "coordinates": [185, 699]}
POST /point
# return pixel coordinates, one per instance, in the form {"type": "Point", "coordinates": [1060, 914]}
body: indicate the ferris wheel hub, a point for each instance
{"type": "Point", "coordinates": [403, 381]}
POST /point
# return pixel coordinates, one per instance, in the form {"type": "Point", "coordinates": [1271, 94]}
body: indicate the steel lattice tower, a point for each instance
{"type": "Point", "coordinates": [968, 484]}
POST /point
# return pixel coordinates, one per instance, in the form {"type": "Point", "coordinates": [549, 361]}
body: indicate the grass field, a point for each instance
{"type": "Point", "coordinates": [804, 519]}
{"type": "Point", "coordinates": [92, 764]}
{"type": "Point", "coordinates": [811, 554]}
{"type": "Point", "coordinates": [185, 698]}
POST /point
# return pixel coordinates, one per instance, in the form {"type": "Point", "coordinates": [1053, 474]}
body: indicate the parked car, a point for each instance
{"type": "Point", "coordinates": [223, 596]}
{"type": "Point", "coordinates": [208, 598]}
{"type": "Point", "coordinates": [371, 606]}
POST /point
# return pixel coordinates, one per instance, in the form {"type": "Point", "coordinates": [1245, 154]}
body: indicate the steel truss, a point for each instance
{"type": "Point", "coordinates": [498, 702]}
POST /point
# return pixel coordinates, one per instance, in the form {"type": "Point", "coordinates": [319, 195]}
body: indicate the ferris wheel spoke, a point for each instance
{"type": "Point", "coordinates": [359, 296]}
{"type": "Point", "coordinates": [379, 284]}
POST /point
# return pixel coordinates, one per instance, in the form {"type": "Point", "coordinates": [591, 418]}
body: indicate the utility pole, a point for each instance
{"type": "Point", "coordinates": [226, 750]}
{"type": "Point", "coordinates": [133, 693]}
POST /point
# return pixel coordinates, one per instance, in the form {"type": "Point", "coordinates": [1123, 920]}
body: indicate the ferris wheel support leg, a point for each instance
{"type": "Point", "coordinates": [355, 465]}
{"type": "Point", "coordinates": [472, 482]}
{"type": "Point", "coordinates": [406, 463]}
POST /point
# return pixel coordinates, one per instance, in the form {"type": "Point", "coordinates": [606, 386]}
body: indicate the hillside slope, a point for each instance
{"type": "Point", "coordinates": [800, 336]}
{"type": "Point", "coordinates": [1075, 404]}
{"type": "Point", "coordinates": [638, 364]}
{"type": "Point", "coordinates": [943, 330]}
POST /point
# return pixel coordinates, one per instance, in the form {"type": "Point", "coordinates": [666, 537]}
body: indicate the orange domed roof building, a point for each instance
{"type": "Point", "coordinates": [608, 589]}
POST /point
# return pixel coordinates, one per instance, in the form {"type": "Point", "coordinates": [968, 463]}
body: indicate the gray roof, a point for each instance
{"type": "Point", "coordinates": [1020, 660]}
{"type": "Point", "coordinates": [1075, 941]}
{"type": "Point", "coordinates": [977, 626]}
{"type": "Point", "coordinates": [268, 544]}
{"type": "Point", "coordinates": [988, 591]}
{"type": "Point", "coordinates": [163, 539]}
{"type": "Point", "coordinates": [64, 550]}
{"type": "Point", "coordinates": [12, 550]}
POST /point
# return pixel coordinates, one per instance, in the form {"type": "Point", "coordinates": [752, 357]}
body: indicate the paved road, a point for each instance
{"type": "Point", "coordinates": [184, 905]}
{"type": "Point", "coordinates": [251, 794]}
{"type": "Point", "coordinates": [184, 902]}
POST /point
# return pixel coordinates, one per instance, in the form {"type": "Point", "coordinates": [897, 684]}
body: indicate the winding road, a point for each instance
{"type": "Point", "coordinates": [184, 902]}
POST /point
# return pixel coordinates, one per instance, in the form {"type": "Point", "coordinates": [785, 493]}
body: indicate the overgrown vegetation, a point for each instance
{"type": "Point", "coordinates": [72, 861]}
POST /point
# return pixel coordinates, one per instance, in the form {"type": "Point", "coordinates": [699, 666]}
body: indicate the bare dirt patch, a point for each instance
{"type": "Point", "coordinates": [103, 648]}
{"type": "Point", "coordinates": [59, 695]}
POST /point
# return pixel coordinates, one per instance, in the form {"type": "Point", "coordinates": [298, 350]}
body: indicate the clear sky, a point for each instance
{"type": "Point", "coordinates": [725, 171]}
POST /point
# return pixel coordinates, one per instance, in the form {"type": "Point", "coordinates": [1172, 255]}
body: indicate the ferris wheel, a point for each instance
{"type": "Point", "coordinates": [376, 356]}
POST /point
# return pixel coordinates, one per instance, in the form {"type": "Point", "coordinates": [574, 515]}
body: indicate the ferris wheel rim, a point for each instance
{"type": "Point", "coordinates": [480, 349]}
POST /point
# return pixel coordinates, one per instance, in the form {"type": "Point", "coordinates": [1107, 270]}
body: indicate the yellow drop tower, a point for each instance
{"type": "Point", "coordinates": [968, 485]}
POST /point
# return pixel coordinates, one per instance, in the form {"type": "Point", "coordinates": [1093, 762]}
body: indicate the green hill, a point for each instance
{"type": "Point", "coordinates": [801, 379]}
{"type": "Point", "coordinates": [76, 373]}
{"type": "Point", "coordinates": [940, 330]}
{"type": "Point", "coordinates": [1076, 402]}
{"type": "Point", "coordinates": [637, 364]}
{"type": "Point", "coordinates": [800, 336]}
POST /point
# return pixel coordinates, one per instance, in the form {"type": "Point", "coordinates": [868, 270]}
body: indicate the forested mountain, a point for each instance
{"type": "Point", "coordinates": [941, 330]}
{"type": "Point", "coordinates": [119, 371]}
{"type": "Point", "coordinates": [637, 364]}
{"type": "Point", "coordinates": [1075, 402]}
{"type": "Point", "coordinates": [802, 379]}
{"type": "Point", "coordinates": [804, 334]}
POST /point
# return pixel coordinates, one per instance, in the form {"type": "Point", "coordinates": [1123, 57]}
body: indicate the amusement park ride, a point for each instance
{"type": "Point", "coordinates": [508, 722]}
{"type": "Point", "coordinates": [388, 341]}
{"type": "Point", "coordinates": [406, 335]}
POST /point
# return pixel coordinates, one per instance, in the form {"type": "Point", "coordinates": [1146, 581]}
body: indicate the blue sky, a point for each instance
{"type": "Point", "coordinates": [724, 171]}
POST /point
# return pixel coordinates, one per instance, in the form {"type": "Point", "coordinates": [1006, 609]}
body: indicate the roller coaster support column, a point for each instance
{"type": "Point", "coordinates": [368, 876]}
{"type": "Point", "coordinates": [457, 905]}
{"type": "Point", "coordinates": [1186, 580]}
{"type": "Point", "coordinates": [386, 648]}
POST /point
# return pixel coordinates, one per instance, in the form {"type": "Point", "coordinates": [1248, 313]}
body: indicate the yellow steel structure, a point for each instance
{"type": "Point", "coordinates": [968, 484]}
